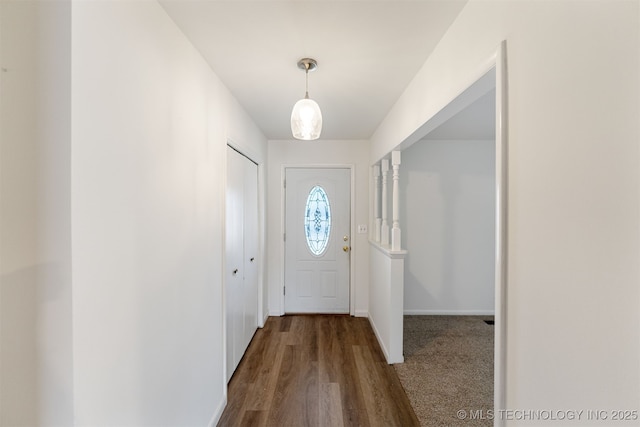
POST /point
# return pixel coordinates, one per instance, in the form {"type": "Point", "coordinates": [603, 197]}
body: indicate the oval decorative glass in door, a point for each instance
{"type": "Point", "coordinates": [317, 220]}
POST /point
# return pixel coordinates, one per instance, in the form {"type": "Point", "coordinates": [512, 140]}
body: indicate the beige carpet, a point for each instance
{"type": "Point", "coordinates": [448, 369]}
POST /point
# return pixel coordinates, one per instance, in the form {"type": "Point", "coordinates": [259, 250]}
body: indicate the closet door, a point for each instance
{"type": "Point", "coordinates": [234, 246]}
{"type": "Point", "coordinates": [250, 284]}
{"type": "Point", "coordinates": [241, 281]}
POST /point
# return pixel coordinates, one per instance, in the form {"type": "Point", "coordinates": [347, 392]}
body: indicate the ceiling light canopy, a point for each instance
{"type": "Point", "coordinates": [306, 117]}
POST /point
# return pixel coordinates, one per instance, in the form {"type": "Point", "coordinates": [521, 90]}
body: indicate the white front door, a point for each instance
{"type": "Point", "coordinates": [317, 240]}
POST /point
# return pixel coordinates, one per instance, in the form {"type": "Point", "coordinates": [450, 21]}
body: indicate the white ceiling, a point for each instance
{"type": "Point", "coordinates": [367, 53]}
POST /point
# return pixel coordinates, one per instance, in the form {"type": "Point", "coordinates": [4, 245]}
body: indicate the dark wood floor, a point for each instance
{"type": "Point", "coordinates": [316, 370]}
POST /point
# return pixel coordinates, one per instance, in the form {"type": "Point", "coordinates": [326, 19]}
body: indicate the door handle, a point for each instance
{"type": "Point", "coordinates": [252, 258]}
{"type": "Point", "coordinates": [346, 248]}
{"type": "Point", "coordinates": [235, 271]}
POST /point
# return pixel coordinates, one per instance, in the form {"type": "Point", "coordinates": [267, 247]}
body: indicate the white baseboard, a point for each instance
{"type": "Point", "coordinates": [380, 341]}
{"type": "Point", "coordinates": [450, 312]}
{"type": "Point", "coordinates": [264, 321]}
{"type": "Point", "coordinates": [218, 413]}
{"type": "Point", "coordinates": [361, 313]}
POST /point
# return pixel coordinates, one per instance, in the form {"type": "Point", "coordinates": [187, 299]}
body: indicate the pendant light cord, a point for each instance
{"type": "Point", "coordinates": [306, 85]}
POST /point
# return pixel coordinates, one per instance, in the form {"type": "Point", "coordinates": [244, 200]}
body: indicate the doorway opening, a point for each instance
{"type": "Point", "coordinates": [492, 77]}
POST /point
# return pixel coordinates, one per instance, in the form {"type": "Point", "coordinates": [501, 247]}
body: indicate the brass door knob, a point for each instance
{"type": "Point", "coordinates": [346, 248]}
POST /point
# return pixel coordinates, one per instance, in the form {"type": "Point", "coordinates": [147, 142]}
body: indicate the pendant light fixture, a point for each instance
{"type": "Point", "coordinates": [306, 118]}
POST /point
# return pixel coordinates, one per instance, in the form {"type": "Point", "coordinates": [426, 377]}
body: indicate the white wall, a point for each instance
{"type": "Point", "coordinates": [447, 194]}
{"type": "Point", "coordinates": [320, 152]}
{"type": "Point", "coordinates": [572, 320]}
{"type": "Point", "coordinates": [36, 385]}
{"type": "Point", "coordinates": [136, 184]}
{"type": "Point", "coordinates": [150, 126]}
{"type": "Point", "coordinates": [386, 291]}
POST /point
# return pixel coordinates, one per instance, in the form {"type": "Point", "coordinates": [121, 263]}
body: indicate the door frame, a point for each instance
{"type": "Point", "coordinates": [492, 74]}
{"type": "Point", "coordinates": [250, 154]}
{"type": "Point", "coordinates": [352, 227]}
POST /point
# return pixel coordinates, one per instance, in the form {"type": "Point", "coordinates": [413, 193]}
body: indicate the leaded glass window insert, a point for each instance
{"type": "Point", "coordinates": [317, 220]}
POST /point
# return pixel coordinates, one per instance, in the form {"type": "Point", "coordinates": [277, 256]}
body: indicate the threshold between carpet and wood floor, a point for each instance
{"type": "Point", "coordinates": [328, 370]}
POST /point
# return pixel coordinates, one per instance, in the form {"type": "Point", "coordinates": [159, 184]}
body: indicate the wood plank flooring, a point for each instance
{"type": "Point", "coordinates": [316, 370]}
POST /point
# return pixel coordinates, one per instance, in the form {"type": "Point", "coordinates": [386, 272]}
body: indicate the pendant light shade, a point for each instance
{"type": "Point", "coordinates": [306, 120]}
{"type": "Point", "coordinates": [306, 117]}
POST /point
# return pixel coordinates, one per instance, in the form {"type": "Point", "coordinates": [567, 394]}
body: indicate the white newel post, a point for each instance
{"type": "Point", "coordinates": [376, 203]}
{"type": "Point", "coordinates": [395, 231]}
{"type": "Point", "coordinates": [384, 229]}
